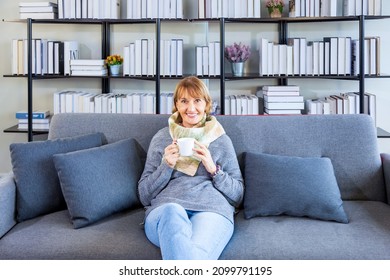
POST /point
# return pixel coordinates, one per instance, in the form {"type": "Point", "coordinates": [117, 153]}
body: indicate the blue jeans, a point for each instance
{"type": "Point", "coordinates": [187, 235]}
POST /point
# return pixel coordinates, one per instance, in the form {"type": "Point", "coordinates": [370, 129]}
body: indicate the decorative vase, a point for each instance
{"type": "Point", "coordinates": [115, 69]}
{"type": "Point", "coordinates": [238, 68]}
{"type": "Point", "coordinates": [275, 12]}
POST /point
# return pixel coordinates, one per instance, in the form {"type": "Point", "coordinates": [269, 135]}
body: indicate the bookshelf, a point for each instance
{"type": "Point", "coordinates": [282, 24]}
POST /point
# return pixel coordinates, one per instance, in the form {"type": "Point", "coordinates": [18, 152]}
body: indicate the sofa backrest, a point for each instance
{"type": "Point", "coordinates": [348, 140]}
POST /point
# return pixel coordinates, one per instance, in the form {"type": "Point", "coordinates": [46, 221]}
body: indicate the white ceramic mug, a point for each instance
{"type": "Point", "coordinates": [185, 146]}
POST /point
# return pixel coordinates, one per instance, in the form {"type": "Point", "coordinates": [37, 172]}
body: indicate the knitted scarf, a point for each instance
{"type": "Point", "coordinates": [208, 130]}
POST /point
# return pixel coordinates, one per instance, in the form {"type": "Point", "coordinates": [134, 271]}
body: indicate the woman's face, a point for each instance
{"type": "Point", "coordinates": [190, 109]}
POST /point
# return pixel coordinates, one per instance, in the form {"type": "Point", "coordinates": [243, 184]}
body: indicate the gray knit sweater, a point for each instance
{"type": "Point", "coordinates": [161, 184]}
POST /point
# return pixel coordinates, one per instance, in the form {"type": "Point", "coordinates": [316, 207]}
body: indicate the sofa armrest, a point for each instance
{"type": "Point", "coordinates": [386, 171]}
{"type": "Point", "coordinates": [7, 203]}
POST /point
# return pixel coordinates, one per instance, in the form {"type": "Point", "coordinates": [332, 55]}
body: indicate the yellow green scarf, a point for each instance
{"type": "Point", "coordinates": [208, 130]}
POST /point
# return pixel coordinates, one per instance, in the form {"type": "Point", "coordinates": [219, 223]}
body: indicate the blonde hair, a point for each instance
{"type": "Point", "coordinates": [196, 88]}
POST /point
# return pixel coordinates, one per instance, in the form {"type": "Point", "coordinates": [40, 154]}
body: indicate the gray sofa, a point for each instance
{"type": "Point", "coordinates": [363, 177]}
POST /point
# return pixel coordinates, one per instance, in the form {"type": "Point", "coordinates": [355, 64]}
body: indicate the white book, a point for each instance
{"type": "Point", "coordinates": [173, 57]}
{"type": "Point", "coordinates": [167, 57]}
{"type": "Point", "coordinates": [302, 56]}
{"type": "Point", "coordinates": [151, 58]}
{"type": "Point", "coordinates": [211, 59]}
{"type": "Point", "coordinates": [87, 67]}
{"type": "Point", "coordinates": [129, 9]}
{"type": "Point", "coordinates": [283, 98]}
{"type": "Point", "coordinates": [217, 56]}
{"type": "Point", "coordinates": [49, 15]}
{"type": "Point", "coordinates": [282, 59]}
{"type": "Point", "coordinates": [348, 56]}
{"type": "Point", "coordinates": [102, 72]}
{"type": "Point", "coordinates": [282, 112]}
{"type": "Point", "coordinates": [71, 52]}
{"type": "Point", "coordinates": [270, 58]}
{"type": "Point", "coordinates": [38, 56]}
{"type": "Point", "coordinates": [250, 8]}
{"type": "Point", "coordinates": [179, 9]}
{"type": "Point", "coordinates": [38, 4]}
{"type": "Point", "coordinates": [316, 58]}
{"type": "Point", "coordinates": [136, 103]}
{"type": "Point", "coordinates": [271, 88]}
{"type": "Point", "coordinates": [138, 57]}
{"type": "Point", "coordinates": [38, 9]}
{"type": "Point", "coordinates": [349, 8]}
{"type": "Point", "coordinates": [289, 61]}
{"type": "Point", "coordinates": [143, 9]}
{"type": "Point", "coordinates": [84, 8]}
{"type": "Point", "coordinates": [205, 60]}
{"type": "Point", "coordinates": [309, 59]}
{"type": "Point", "coordinates": [341, 55]}
{"type": "Point", "coordinates": [332, 8]}
{"type": "Point", "coordinates": [321, 57]}
{"type": "Point", "coordinates": [132, 59]}
{"type": "Point", "coordinates": [87, 62]}
{"type": "Point", "coordinates": [14, 48]}
{"type": "Point", "coordinates": [199, 60]}
{"type": "Point", "coordinates": [275, 60]}
{"type": "Point", "coordinates": [126, 61]}
{"type": "Point", "coordinates": [262, 47]}
{"type": "Point", "coordinates": [144, 57]}
{"type": "Point", "coordinates": [201, 9]}
{"type": "Point", "coordinates": [179, 59]}
{"type": "Point", "coordinates": [257, 8]}
{"type": "Point", "coordinates": [90, 9]}
{"type": "Point", "coordinates": [294, 42]}
{"type": "Point", "coordinates": [333, 54]}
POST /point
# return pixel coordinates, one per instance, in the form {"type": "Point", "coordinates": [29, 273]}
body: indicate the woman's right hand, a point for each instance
{"type": "Point", "coordinates": [171, 154]}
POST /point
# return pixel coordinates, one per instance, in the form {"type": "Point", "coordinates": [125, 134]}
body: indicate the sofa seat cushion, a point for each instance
{"type": "Point", "coordinates": [366, 236]}
{"type": "Point", "coordinates": [118, 237]}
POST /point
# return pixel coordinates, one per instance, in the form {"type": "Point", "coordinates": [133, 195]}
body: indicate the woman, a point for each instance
{"type": "Point", "coordinates": [190, 201]}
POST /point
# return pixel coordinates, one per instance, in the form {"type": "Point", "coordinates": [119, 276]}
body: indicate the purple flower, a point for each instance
{"type": "Point", "coordinates": [237, 52]}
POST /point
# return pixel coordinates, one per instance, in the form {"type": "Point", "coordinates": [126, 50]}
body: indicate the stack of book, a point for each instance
{"type": "Point", "coordinates": [40, 119]}
{"type": "Point", "coordinates": [38, 10]}
{"type": "Point", "coordinates": [88, 67]}
{"type": "Point", "coordinates": [281, 100]}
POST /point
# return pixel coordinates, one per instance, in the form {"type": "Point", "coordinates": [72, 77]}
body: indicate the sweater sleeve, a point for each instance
{"type": "Point", "coordinates": [230, 183]}
{"type": "Point", "coordinates": [156, 174]}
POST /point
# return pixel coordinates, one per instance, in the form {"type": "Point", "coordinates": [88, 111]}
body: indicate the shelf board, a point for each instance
{"type": "Point", "coordinates": [381, 133]}
{"type": "Point", "coordinates": [15, 129]}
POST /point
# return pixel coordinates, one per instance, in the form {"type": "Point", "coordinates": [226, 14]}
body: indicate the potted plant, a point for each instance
{"type": "Point", "coordinates": [275, 7]}
{"type": "Point", "coordinates": [237, 54]}
{"type": "Point", "coordinates": [114, 62]}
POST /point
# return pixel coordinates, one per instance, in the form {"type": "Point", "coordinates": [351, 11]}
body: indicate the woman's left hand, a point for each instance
{"type": "Point", "coordinates": [203, 153]}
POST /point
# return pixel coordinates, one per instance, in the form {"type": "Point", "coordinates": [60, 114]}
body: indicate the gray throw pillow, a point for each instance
{"type": "Point", "coordinates": [99, 181]}
{"type": "Point", "coordinates": [295, 186]}
{"type": "Point", "coordinates": [38, 189]}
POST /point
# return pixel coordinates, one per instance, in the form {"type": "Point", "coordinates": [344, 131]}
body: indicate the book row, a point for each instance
{"type": "Point", "coordinates": [362, 7]}
{"type": "Point", "coordinates": [207, 59]}
{"type": "Point", "coordinates": [48, 56]}
{"type": "Point", "coordinates": [332, 56]}
{"type": "Point", "coordinates": [144, 9]}
{"type": "Point", "coordinates": [241, 104]}
{"type": "Point", "coordinates": [92, 9]}
{"type": "Point", "coordinates": [139, 58]}
{"type": "Point", "coordinates": [343, 103]}
{"type": "Point", "coordinates": [326, 8]}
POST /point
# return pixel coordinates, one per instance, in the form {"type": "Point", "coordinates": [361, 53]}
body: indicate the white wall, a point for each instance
{"type": "Point", "coordinates": [13, 91]}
